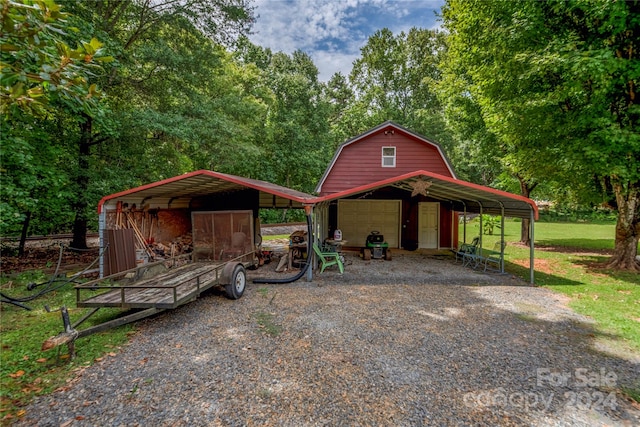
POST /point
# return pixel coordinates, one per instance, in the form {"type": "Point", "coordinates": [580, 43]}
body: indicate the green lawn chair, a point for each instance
{"type": "Point", "coordinates": [469, 249]}
{"type": "Point", "coordinates": [327, 259]}
{"type": "Point", "coordinates": [495, 259]}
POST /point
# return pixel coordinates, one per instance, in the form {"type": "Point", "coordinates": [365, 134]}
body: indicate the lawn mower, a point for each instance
{"type": "Point", "coordinates": [376, 247]}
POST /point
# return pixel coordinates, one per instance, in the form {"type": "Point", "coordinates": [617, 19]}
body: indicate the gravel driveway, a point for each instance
{"type": "Point", "coordinates": [414, 341]}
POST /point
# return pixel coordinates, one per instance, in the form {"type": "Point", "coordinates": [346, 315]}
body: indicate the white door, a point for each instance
{"type": "Point", "coordinates": [358, 218]}
{"type": "Point", "coordinates": [428, 220]}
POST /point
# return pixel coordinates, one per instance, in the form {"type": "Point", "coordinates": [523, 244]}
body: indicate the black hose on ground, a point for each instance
{"type": "Point", "coordinates": [304, 268]}
{"type": "Point", "coordinates": [13, 302]}
{"type": "Point", "coordinates": [49, 287]}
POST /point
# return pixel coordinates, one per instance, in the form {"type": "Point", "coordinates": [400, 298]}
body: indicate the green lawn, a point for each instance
{"type": "Point", "coordinates": [27, 371]}
{"type": "Point", "coordinates": [570, 258]}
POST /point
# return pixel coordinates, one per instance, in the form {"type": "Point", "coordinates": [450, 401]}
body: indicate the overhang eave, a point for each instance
{"type": "Point", "coordinates": [464, 196]}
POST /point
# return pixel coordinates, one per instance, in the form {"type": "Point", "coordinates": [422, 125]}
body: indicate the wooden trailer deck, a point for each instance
{"type": "Point", "coordinates": [153, 295]}
{"type": "Point", "coordinates": [165, 291]}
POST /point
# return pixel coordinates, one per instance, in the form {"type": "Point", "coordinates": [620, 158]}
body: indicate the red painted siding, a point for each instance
{"type": "Point", "coordinates": [445, 227]}
{"type": "Point", "coordinates": [360, 163]}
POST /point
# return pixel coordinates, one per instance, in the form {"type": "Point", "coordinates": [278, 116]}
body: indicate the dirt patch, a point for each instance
{"type": "Point", "coordinates": [541, 265]}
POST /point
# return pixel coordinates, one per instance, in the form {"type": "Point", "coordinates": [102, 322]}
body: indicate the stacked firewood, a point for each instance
{"type": "Point", "coordinates": [144, 223]}
{"type": "Point", "coordinates": [179, 246]}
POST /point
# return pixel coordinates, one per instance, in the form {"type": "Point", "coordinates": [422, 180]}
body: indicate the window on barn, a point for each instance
{"type": "Point", "coordinates": [388, 157]}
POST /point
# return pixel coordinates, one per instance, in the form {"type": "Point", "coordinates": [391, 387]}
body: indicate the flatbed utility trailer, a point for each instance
{"type": "Point", "coordinates": [149, 296]}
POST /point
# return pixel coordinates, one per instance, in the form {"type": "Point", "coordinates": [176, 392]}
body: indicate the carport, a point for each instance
{"type": "Point", "coordinates": [462, 196]}
{"type": "Point", "coordinates": [169, 205]}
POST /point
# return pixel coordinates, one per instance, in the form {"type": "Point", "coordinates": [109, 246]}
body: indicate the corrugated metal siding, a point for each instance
{"type": "Point", "coordinates": [121, 252]}
{"type": "Point", "coordinates": [361, 163]}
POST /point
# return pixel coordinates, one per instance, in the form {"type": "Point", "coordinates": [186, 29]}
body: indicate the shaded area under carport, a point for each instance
{"type": "Point", "coordinates": [465, 197]}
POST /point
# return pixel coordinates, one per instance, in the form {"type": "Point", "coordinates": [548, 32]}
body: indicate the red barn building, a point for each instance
{"type": "Point", "coordinates": [383, 152]}
{"type": "Point", "coordinates": [401, 184]}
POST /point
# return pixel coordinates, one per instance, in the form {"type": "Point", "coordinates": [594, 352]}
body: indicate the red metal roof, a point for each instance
{"type": "Point", "coordinates": [205, 182]}
{"type": "Point", "coordinates": [462, 194]}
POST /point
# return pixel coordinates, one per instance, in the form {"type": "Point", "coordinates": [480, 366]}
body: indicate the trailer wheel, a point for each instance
{"type": "Point", "coordinates": [366, 254]}
{"type": "Point", "coordinates": [235, 289]}
{"type": "Point", "coordinates": [387, 256]}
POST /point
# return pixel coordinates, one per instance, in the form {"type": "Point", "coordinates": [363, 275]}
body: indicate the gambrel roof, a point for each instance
{"type": "Point", "coordinates": [422, 149]}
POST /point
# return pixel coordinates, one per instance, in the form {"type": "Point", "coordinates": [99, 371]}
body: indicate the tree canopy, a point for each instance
{"type": "Point", "coordinates": [555, 84]}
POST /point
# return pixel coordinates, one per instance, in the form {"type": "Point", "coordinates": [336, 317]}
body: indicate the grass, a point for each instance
{"type": "Point", "coordinates": [570, 259]}
{"type": "Point", "coordinates": [25, 370]}
{"type": "Point", "coordinates": [266, 322]}
{"type": "Point", "coordinates": [275, 237]}
{"type": "Point", "coordinates": [266, 319]}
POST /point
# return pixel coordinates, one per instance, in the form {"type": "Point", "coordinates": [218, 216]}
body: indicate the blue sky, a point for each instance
{"type": "Point", "coordinates": [333, 31]}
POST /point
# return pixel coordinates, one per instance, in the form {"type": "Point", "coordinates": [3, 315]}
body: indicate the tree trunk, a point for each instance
{"type": "Point", "coordinates": [525, 190]}
{"type": "Point", "coordinates": [80, 204]}
{"type": "Point", "coordinates": [627, 227]}
{"type": "Point", "coordinates": [23, 235]}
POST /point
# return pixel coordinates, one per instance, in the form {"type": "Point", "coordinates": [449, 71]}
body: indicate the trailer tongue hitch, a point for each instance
{"type": "Point", "coordinates": [71, 334]}
{"type": "Point", "coordinates": [67, 337]}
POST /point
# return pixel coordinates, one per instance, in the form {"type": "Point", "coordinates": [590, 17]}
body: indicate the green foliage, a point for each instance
{"type": "Point", "coordinates": [489, 223]}
{"type": "Point", "coordinates": [555, 84]}
{"type": "Point", "coordinates": [46, 85]}
{"type": "Point", "coordinates": [296, 129]}
{"type": "Point", "coordinates": [275, 216]}
{"type": "Point", "coordinates": [37, 66]}
{"type": "Point", "coordinates": [563, 214]}
{"type": "Point", "coordinates": [522, 95]}
{"type": "Point", "coordinates": [174, 101]}
{"type": "Point", "coordinates": [395, 79]}
{"type": "Point", "coordinates": [33, 175]}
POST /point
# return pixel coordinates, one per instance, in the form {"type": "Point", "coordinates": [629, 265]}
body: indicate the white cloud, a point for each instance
{"type": "Point", "coordinates": [329, 63]}
{"type": "Point", "coordinates": [333, 31]}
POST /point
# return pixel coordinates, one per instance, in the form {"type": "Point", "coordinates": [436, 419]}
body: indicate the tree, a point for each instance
{"type": "Point", "coordinates": [600, 101]}
{"type": "Point", "coordinates": [41, 75]}
{"type": "Point", "coordinates": [475, 151]}
{"type": "Point", "coordinates": [296, 128]}
{"type": "Point", "coordinates": [395, 79]}
{"type": "Point", "coordinates": [152, 85]}
{"type": "Point", "coordinates": [37, 66]}
{"type": "Point", "coordinates": [555, 82]}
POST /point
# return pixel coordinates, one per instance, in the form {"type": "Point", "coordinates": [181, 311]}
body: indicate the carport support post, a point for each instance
{"type": "Point", "coordinates": [311, 255]}
{"type": "Point", "coordinates": [531, 249]}
{"type": "Point", "coordinates": [102, 225]}
{"type": "Point", "coordinates": [502, 238]}
{"type": "Point", "coordinates": [464, 227]}
{"type": "Point", "coordinates": [481, 230]}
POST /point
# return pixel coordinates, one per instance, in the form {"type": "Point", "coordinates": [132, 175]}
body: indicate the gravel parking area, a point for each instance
{"type": "Point", "coordinates": [415, 341]}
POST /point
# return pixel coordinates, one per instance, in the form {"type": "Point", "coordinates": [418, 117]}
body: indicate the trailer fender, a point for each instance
{"type": "Point", "coordinates": [234, 279]}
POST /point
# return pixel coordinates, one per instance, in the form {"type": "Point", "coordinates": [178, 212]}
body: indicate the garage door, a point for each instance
{"type": "Point", "coordinates": [358, 218]}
